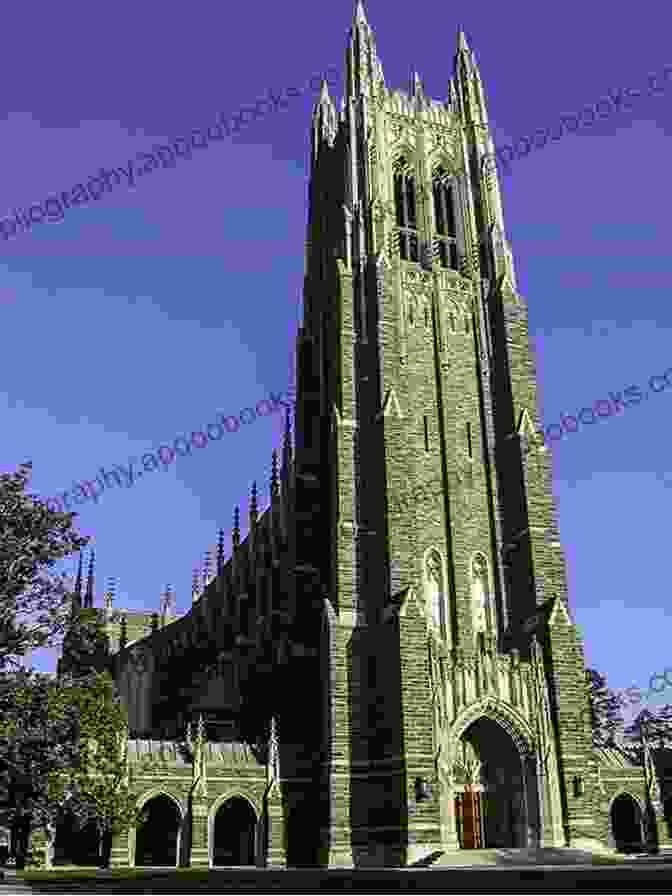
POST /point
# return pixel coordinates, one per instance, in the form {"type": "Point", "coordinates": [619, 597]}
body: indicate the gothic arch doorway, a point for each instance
{"type": "Point", "coordinates": [234, 833]}
{"type": "Point", "coordinates": [626, 824]}
{"type": "Point", "coordinates": [157, 840]}
{"type": "Point", "coordinates": [495, 803]}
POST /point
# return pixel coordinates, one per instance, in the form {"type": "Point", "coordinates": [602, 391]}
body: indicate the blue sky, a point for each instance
{"type": "Point", "coordinates": [140, 317]}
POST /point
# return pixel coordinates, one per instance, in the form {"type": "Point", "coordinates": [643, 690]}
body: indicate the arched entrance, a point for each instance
{"type": "Point", "coordinates": [626, 824]}
{"type": "Point", "coordinates": [234, 835]}
{"type": "Point", "coordinates": [157, 840]}
{"type": "Point", "coordinates": [75, 845]}
{"type": "Point", "coordinates": [491, 800]}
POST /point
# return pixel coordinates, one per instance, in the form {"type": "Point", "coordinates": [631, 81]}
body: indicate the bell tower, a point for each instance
{"type": "Point", "coordinates": [414, 367]}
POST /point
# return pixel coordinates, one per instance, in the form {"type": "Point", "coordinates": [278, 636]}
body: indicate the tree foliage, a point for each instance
{"type": "Point", "coordinates": [39, 730]}
{"type": "Point", "coordinates": [62, 739]}
{"type": "Point", "coordinates": [654, 726]}
{"type": "Point", "coordinates": [63, 749]}
{"type": "Point", "coordinates": [33, 599]}
{"type": "Point", "coordinates": [101, 783]}
{"type": "Point", "coordinates": [603, 710]}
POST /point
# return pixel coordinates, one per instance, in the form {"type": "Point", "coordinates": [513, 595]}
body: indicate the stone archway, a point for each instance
{"type": "Point", "coordinates": [157, 839]}
{"type": "Point", "coordinates": [495, 799]}
{"type": "Point", "coordinates": [627, 824]}
{"type": "Point", "coordinates": [234, 833]}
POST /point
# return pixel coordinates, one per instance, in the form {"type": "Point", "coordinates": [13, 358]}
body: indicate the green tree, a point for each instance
{"type": "Point", "coordinates": [63, 749]}
{"type": "Point", "coordinates": [603, 710]}
{"type": "Point", "coordinates": [101, 785]}
{"type": "Point", "coordinates": [652, 726]}
{"type": "Point", "coordinates": [39, 747]}
{"type": "Point", "coordinates": [33, 599]}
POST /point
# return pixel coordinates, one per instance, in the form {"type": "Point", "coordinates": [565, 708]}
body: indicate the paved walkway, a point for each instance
{"type": "Point", "coordinates": [545, 856]}
{"type": "Point", "coordinates": [621, 877]}
{"type": "Point", "coordinates": [520, 870]}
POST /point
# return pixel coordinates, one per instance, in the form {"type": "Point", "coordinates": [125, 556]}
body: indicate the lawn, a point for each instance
{"type": "Point", "coordinates": [65, 874]}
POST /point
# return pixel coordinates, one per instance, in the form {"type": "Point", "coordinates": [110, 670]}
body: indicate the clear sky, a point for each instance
{"type": "Point", "coordinates": [141, 316]}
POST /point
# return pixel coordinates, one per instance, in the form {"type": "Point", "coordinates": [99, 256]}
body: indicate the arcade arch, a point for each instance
{"type": "Point", "coordinates": [234, 832]}
{"type": "Point", "coordinates": [158, 838]}
{"type": "Point", "coordinates": [627, 824]}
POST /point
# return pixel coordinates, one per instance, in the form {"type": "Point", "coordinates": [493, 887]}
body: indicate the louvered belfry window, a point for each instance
{"type": "Point", "coordinates": [405, 207]}
{"type": "Point", "coordinates": [444, 216]}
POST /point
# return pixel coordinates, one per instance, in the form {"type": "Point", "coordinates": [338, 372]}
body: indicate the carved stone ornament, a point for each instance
{"type": "Point", "coordinates": [479, 569]}
{"type": "Point", "coordinates": [505, 715]}
{"type": "Point", "coordinates": [433, 566]}
{"type": "Point", "coordinates": [139, 660]}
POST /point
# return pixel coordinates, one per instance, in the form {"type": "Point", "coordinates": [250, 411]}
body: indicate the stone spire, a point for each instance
{"type": "Point", "coordinates": [462, 45]}
{"type": "Point", "coordinates": [207, 570]}
{"type": "Point", "coordinates": [220, 553]}
{"type": "Point", "coordinates": [287, 449]}
{"type": "Point", "coordinates": [467, 81]}
{"type": "Point", "coordinates": [235, 535]}
{"type": "Point", "coordinates": [325, 120]}
{"type": "Point", "coordinates": [109, 597]}
{"type": "Point", "coordinates": [196, 585]}
{"type": "Point", "coordinates": [77, 594]}
{"type": "Point", "coordinates": [254, 513]}
{"type": "Point", "coordinates": [363, 67]}
{"type": "Point", "coordinates": [275, 486]}
{"type": "Point", "coordinates": [359, 16]}
{"type": "Point", "coordinates": [88, 599]}
{"type": "Point", "coordinates": [168, 610]}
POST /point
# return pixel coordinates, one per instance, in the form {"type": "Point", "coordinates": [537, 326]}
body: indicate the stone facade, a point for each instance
{"type": "Point", "coordinates": [380, 683]}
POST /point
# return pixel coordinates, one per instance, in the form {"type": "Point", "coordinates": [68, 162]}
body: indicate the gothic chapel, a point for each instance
{"type": "Point", "coordinates": [358, 684]}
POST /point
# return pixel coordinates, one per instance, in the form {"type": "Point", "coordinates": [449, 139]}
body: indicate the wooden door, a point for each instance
{"type": "Point", "coordinates": [468, 817]}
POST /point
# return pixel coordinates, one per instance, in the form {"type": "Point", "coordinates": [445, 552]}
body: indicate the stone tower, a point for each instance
{"type": "Point", "coordinates": [448, 627]}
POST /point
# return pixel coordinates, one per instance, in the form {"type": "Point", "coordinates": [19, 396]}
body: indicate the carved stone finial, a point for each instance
{"type": "Point", "coordinates": [434, 568]}
{"type": "Point", "coordinates": [88, 599]}
{"type": "Point", "coordinates": [207, 573]}
{"type": "Point", "coordinates": [109, 597]}
{"type": "Point", "coordinates": [254, 513]}
{"type": "Point", "coordinates": [275, 487]}
{"type": "Point", "coordinates": [220, 553]}
{"type": "Point", "coordinates": [235, 537]}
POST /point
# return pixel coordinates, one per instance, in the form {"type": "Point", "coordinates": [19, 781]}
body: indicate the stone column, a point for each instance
{"type": "Point", "coordinates": [275, 840]}
{"type": "Point", "coordinates": [119, 857]}
{"type": "Point", "coordinates": [199, 853]}
{"type": "Point", "coordinates": [449, 836]}
{"type": "Point", "coordinates": [531, 792]}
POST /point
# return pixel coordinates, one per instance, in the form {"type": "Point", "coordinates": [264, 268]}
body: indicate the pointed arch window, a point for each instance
{"type": "Point", "coordinates": [445, 219]}
{"type": "Point", "coordinates": [405, 208]}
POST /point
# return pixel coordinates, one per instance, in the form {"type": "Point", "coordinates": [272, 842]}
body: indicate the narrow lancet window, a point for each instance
{"type": "Point", "coordinates": [444, 217]}
{"type": "Point", "coordinates": [405, 208]}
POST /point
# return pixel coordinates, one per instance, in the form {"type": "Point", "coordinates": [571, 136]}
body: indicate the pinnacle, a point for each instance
{"type": "Point", "coordinates": [360, 15]}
